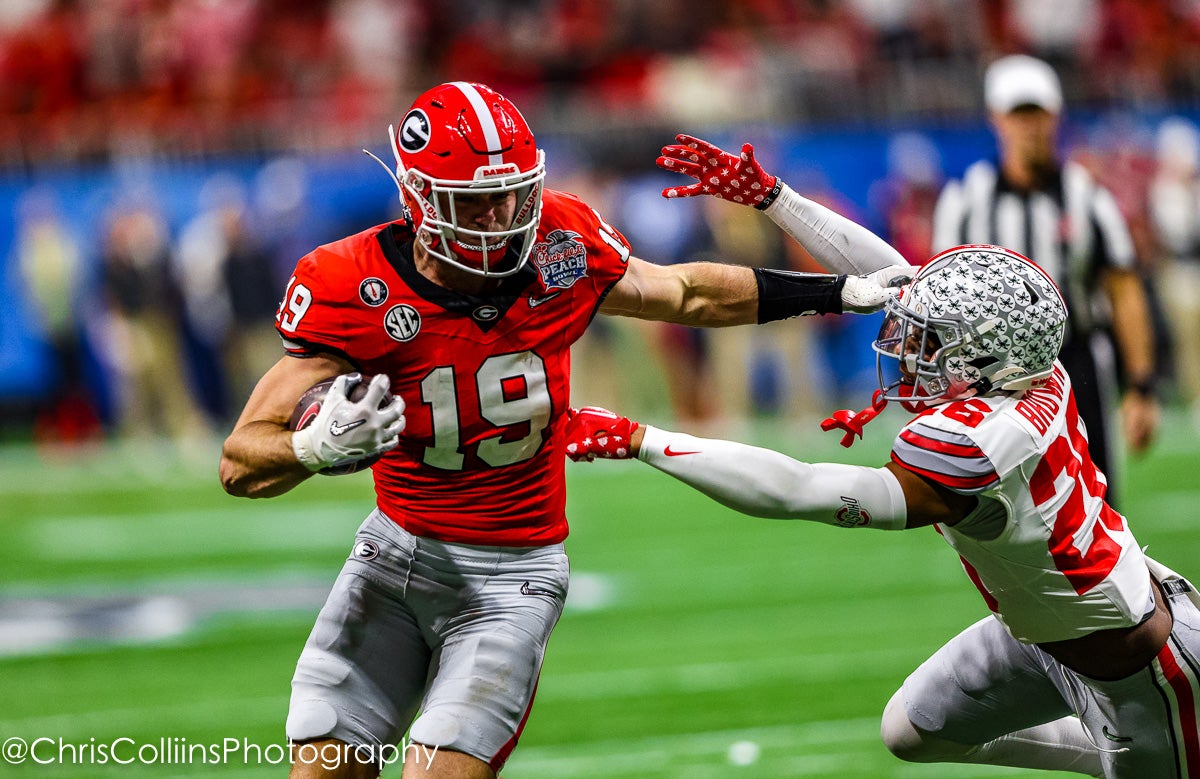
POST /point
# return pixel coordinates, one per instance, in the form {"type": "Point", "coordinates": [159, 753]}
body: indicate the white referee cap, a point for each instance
{"type": "Point", "coordinates": [1017, 80]}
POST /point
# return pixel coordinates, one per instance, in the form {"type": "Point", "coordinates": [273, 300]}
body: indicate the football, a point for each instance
{"type": "Point", "coordinates": [309, 406]}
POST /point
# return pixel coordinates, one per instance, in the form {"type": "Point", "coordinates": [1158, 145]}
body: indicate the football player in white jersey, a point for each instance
{"type": "Point", "coordinates": [1089, 661]}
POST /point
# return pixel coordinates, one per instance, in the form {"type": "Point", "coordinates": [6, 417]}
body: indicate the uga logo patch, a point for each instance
{"type": "Point", "coordinates": [373, 291]}
{"type": "Point", "coordinates": [366, 550]}
{"type": "Point", "coordinates": [413, 134]}
{"type": "Point", "coordinates": [561, 259]}
{"type": "Point", "coordinates": [402, 322]}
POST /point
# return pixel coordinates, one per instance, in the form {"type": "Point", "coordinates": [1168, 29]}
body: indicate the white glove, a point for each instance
{"type": "Point", "coordinates": [345, 430]}
{"type": "Point", "coordinates": [867, 294]}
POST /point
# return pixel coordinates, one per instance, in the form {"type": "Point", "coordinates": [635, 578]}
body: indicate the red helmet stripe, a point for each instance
{"type": "Point", "coordinates": [486, 121]}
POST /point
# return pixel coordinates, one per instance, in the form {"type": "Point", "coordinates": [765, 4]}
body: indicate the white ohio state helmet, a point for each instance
{"type": "Point", "coordinates": [975, 320]}
{"type": "Point", "coordinates": [460, 139]}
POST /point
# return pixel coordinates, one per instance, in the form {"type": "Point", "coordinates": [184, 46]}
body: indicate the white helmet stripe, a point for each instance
{"type": "Point", "coordinates": [490, 134]}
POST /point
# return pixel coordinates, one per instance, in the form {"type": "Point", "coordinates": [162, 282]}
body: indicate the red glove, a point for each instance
{"type": "Point", "coordinates": [718, 173]}
{"type": "Point", "coordinates": [597, 432]}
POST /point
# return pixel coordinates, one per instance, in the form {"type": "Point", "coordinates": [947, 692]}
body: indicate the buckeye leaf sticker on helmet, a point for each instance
{"type": "Point", "coordinates": [975, 320]}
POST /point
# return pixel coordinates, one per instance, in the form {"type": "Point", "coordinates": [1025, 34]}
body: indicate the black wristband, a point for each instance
{"type": "Point", "coordinates": [770, 198]}
{"type": "Point", "coordinates": [783, 294]}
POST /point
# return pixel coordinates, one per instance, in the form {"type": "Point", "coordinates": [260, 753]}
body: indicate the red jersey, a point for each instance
{"type": "Point", "coordinates": [485, 379]}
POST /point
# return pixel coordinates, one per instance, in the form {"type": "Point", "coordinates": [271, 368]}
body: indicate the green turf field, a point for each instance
{"type": "Point", "coordinates": [139, 602]}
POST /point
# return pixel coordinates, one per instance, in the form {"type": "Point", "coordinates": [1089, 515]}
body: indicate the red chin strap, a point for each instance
{"type": "Point", "coordinates": [852, 422]}
{"type": "Point", "coordinates": [910, 391]}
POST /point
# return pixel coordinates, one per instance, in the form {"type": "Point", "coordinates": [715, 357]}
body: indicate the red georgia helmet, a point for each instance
{"type": "Point", "coordinates": [466, 139]}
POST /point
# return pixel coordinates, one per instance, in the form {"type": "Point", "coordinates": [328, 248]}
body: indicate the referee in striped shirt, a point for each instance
{"type": "Point", "coordinates": [1057, 215]}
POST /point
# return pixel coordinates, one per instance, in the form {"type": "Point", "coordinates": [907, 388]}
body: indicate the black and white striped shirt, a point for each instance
{"type": "Point", "coordinates": [1071, 227]}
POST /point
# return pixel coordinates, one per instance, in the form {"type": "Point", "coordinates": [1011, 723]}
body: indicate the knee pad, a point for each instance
{"type": "Point", "coordinates": [908, 742]}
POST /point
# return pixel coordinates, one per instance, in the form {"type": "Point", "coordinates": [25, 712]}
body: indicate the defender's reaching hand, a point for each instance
{"type": "Point", "coordinates": [596, 432]}
{"type": "Point", "coordinates": [718, 173]}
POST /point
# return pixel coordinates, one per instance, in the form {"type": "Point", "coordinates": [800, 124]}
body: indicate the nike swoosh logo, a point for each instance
{"type": "Point", "coordinates": [527, 590]}
{"type": "Point", "coordinates": [669, 453]}
{"type": "Point", "coordinates": [337, 429]}
{"type": "Point", "coordinates": [1114, 737]}
{"type": "Point", "coordinates": [535, 302]}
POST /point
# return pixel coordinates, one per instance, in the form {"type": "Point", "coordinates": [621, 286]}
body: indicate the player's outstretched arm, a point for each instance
{"type": "Point", "coordinates": [262, 457]}
{"type": "Point", "coordinates": [709, 294]}
{"type": "Point", "coordinates": [754, 481]}
{"type": "Point", "coordinates": [839, 244]}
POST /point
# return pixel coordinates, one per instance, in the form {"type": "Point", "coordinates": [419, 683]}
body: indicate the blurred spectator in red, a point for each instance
{"type": "Point", "coordinates": [191, 77]}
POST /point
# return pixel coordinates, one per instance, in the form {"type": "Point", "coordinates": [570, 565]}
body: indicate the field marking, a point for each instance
{"type": "Point", "coordinates": [782, 753]}
{"type": "Point", "coordinates": [133, 536]}
{"type": "Point", "coordinates": [62, 619]}
{"type": "Point", "coordinates": [711, 677]}
{"type": "Point", "coordinates": [84, 619]}
{"type": "Point", "coordinates": [632, 757]}
{"type": "Point", "coordinates": [73, 724]}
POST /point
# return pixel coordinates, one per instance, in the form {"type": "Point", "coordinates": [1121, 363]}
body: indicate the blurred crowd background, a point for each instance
{"type": "Point", "coordinates": [164, 163]}
{"type": "Point", "coordinates": [177, 78]}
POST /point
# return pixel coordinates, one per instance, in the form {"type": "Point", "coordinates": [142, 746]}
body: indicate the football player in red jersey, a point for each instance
{"type": "Point", "coordinates": [465, 310]}
{"type": "Point", "coordinates": [1090, 661]}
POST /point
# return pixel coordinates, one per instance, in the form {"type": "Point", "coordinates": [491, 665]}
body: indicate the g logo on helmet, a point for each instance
{"type": "Point", "coordinates": [414, 131]}
{"type": "Point", "coordinates": [483, 143]}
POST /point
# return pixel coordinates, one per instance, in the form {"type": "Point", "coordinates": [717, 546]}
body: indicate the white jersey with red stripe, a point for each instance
{"type": "Point", "coordinates": [1052, 559]}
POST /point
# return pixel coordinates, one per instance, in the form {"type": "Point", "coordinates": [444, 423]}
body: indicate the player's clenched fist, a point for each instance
{"type": "Point", "coordinates": [596, 432]}
{"type": "Point", "coordinates": [345, 430]}
{"type": "Point", "coordinates": [718, 172]}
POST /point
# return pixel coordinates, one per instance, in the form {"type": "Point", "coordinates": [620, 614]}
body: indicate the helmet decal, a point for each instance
{"type": "Point", "coordinates": [491, 135]}
{"type": "Point", "coordinates": [414, 131]}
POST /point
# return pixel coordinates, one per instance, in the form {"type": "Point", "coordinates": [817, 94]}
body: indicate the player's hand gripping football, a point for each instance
{"type": "Point", "coordinates": [596, 432]}
{"type": "Point", "coordinates": [717, 172]}
{"type": "Point", "coordinates": [867, 294]}
{"type": "Point", "coordinates": [346, 430]}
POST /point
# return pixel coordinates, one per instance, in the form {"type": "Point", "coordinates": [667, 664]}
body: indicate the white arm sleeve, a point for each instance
{"type": "Point", "coordinates": [839, 244]}
{"type": "Point", "coordinates": [764, 483]}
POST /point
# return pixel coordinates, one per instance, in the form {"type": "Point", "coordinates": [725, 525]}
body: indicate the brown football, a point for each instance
{"type": "Point", "coordinates": [309, 406]}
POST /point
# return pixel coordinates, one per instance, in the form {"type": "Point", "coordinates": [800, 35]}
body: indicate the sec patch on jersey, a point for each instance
{"type": "Point", "coordinates": [309, 406]}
